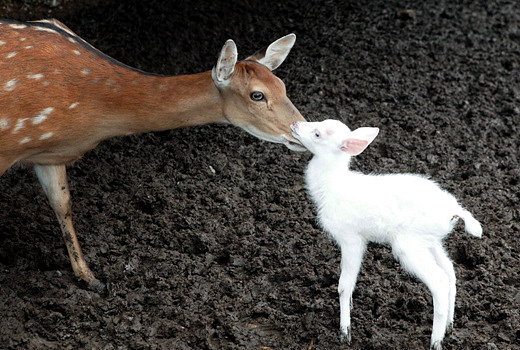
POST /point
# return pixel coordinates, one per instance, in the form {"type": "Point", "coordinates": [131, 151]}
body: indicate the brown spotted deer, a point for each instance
{"type": "Point", "coordinates": [60, 97]}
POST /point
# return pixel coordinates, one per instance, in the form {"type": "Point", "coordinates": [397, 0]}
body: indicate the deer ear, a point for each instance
{"type": "Point", "coordinates": [358, 140]}
{"type": "Point", "coordinates": [226, 63]}
{"type": "Point", "coordinates": [273, 55]}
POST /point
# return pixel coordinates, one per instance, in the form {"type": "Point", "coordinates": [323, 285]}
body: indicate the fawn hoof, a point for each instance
{"type": "Point", "coordinates": [449, 328]}
{"type": "Point", "coordinates": [436, 345]}
{"type": "Point", "coordinates": [345, 336]}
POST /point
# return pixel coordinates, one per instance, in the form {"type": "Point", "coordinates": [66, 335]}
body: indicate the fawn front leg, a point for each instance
{"type": "Point", "coordinates": [421, 262]}
{"type": "Point", "coordinates": [53, 179]}
{"type": "Point", "coordinates": [352, 251]}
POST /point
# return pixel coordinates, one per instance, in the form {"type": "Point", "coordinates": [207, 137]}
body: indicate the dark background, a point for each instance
{"type": "Point", "coordinates": [234, 259]}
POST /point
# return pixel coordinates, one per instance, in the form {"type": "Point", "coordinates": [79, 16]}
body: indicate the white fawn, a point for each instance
{"type": "Point", "coordinates": [408, 212]}
{"type": "Point", "coordinates": [59, 97]}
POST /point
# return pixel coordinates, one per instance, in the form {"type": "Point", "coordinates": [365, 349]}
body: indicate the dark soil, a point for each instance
{"type": "Point", "coordinates": [233, 258]}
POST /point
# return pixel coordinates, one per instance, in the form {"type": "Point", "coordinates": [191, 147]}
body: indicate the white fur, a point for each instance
{"type": "Point", "coordinates": [408, 212]}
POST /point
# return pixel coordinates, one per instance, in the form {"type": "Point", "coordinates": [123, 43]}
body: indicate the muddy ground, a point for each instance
{"type": "Point", "coordinates": [233, 258]}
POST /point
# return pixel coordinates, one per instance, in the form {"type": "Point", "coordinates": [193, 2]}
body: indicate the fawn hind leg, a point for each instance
{"type": "Point", "coordinates": [53, 179]}
{"type": "Point", "coordinates": [445, 263]}
{"type": "Point", "coordinates": [420, 261]}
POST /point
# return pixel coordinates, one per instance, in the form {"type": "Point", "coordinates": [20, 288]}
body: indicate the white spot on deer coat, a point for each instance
{"type": "Point", "coordinates": [77, 52]}
{"type": "Point", "coordinates": [42, 116]}
{"type": "Point", "coordinates": [46, 136]}
{"type": "Point", "coordinates": [4, 124]}
{"type": "Point", "coordinates": [74, 105]}
{"type": "Point", "coordinates": [2, 43]}
{"type": "Point", "coordinates": [29, 47]}
{"type": "Point", "coordinates": [25, 140]}
{"type": "Point", "coordinates": [85, 71]}
{"type": "Point", "coordinates": [19, 125]}
{"type": "Point", "coordinates": [35, 76]}
{"type": "Point", "coordinates": [11, 54]}
{"type": "Point", "coordinates": [10, 85]}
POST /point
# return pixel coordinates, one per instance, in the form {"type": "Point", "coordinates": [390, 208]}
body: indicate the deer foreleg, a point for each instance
{"type": "Point", "coordinates": [53, 179]}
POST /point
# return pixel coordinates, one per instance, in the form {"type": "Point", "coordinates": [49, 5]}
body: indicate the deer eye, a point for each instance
{"type": "Point", "coordinates": [317, 134]}
{"type": "Point", "coordinates": [257, 96]}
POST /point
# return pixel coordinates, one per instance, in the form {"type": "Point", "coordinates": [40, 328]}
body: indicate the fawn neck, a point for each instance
{"type": "Point", "coordinates": [331, 163]}
{"type": "Point", "coordinates": [327, 171]}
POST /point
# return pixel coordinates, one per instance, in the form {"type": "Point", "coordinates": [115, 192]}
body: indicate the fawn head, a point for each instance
{"type": "Point", "coordinates": [332, 137]}
{"type": "Point", "coordinates": [254, 99]}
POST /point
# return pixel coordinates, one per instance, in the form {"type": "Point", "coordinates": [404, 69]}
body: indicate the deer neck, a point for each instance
{"type": "Point", "coordinates": [141, 103]}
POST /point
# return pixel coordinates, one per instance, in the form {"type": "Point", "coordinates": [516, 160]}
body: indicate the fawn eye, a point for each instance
{"type": "Point", "coordinates": [257, 96]}
{"type": "Point", "coordinates": [317, 134]}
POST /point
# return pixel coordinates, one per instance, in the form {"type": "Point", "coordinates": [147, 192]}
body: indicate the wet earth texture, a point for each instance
{"type": "Point", "coordinates": [206, 237]}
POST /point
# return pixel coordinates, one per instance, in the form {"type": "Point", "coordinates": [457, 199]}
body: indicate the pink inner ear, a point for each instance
{"type": "Point", "coordinates": [354, 146]}
{"type": "Point", "coordinates": [330, 131]}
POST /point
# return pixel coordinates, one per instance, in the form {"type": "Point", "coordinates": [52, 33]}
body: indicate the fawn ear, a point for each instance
{"type": "Point", "coordinates": [226, 63]}
{"type": "Point", "coordinates": [273, 55]}
{"type": "Point", "coordinates": [358, 140]}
